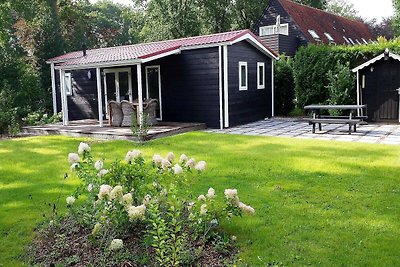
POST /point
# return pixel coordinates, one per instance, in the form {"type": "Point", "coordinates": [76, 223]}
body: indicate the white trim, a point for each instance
{"type": "Point", "coordinates": [68, 83]}
{"type": "Point", "coordinates": [250, 38]}
{"type": "Point", "coordinates": [130, 86]}
{"type": "Point", "coordinates": [64, 102]}
{"type": "Point", "coordinates": [140, 92]}
{"type": "Point", "coordinates": [117, 91]}
{"type": "Point", "coordinates": [272, 89]}
{"type": "Point", "coordinates": [100, 65]}
{"type": "Point", "coordinates": [172, 52]}
{"type": "Point", "coordinates": [99, 97]}
{"type": "Point", "coordinates": [115, 70]}
{"type": "Point", "coordinates": [226, 87]}
{"type": "Point", "coordinates": [358, 92]}
{"type": "Point", "coordinates": [159, 85]}
{"type": "Point", "coordinates": [53, 88]}
{"type": "Point", "coordinates": [243, 87]}
{"type": "Point", "coordinates": [105, 94]}
{"type": "Point", "coordinates": [260, 85]}
{"type": "Point", "coordinates": [221, 113]}
{"type": "Point", "coordinates": [369, 62]}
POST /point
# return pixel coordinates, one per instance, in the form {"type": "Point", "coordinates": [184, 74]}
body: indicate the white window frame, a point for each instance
{"type": "Point", "coordinates": [68, 84]}
{"type": "Point", "coordinates": [314, 35]}
{"type": "Point", "coordinates": [159, 86]}
{"type": "Point", "coordinates": [330, 38]}
{"type": "Point", "coordinates": [243, 64]}
{"type": "Point", "coordinates": [273, 29]}
{"type": "Point", "coordinates": [260, 84]}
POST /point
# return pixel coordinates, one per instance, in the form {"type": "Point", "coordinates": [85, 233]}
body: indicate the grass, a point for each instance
{"type": "Point", "coordinates": [317, 202]}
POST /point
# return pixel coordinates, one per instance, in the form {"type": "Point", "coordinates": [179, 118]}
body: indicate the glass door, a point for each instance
{"type": "Point", "coordinates": [153, 87]}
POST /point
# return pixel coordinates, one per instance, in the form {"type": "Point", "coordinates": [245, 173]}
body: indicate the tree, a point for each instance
{"type": "Point", "coordinates": [216, 15]}
{"type": "Point", "coordinates": [383, 28]}
{"type": "Point", "coordinates": [342, 8]}
{"type": "Point", "coordinates": [246, 12]}
{"type": "Point", "coordinates": [396, 17]}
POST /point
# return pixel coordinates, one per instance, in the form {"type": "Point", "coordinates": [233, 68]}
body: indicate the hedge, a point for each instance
{"type": "Point", "coordinates": [313, 63]}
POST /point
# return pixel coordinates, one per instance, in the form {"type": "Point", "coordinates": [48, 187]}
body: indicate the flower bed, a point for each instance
{"type": "Point", "coordinates": [139, 212]}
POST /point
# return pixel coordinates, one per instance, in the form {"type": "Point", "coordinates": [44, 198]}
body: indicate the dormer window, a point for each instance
{"type": "Point", "coordinates": [314, 35]}
{"type": "Point", "coordinates": [330, 38]}
{"type": "Point", "coordinates": [347, 40]}
{"type": "Point", "coordinates": [358, 42]}
{"type": "Point", "coordinates": [365, 41]}
{"type": "Point", "coordinates": [351, 41]}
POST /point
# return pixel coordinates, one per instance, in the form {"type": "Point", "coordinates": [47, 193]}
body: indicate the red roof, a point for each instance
{"type": "Point", "coordinates": [309, 18]}
{"type": "Point", "coordinates": [147, 50]}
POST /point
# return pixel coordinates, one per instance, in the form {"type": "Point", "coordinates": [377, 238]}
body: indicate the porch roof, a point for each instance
{"type": "Point", "coordinates": [141, 53]}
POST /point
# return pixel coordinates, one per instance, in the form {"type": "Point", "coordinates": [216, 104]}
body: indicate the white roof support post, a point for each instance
{"type": "Point", "coordinates": [358, 92]}
{"type": "Point", "coordinates": [272, 89]}
{"type": "Point", "coordinates": [140, 92]}
{"type": "Point", "coordinates": [221, 112]}
{"type": "Point", "coordinates": [53, 87]}
{"type": "Point", "coordinates": [130, 87]}
{"type": "Point", "coordinates": [64, 102]}
{"type": "Point", "coordinates": [99, 96]}
{"type": "Point", "coordinates": [117, 93]}
{"type": "Point", "coordinates": [226, 87]}
{"type": "Point", "coordinates": [105, 95]}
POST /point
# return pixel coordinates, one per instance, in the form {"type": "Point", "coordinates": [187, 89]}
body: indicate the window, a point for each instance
{"type": "Point", "coordinates": [330, 38]}
{"type": "Point", "coordinates": [347, 40]}
{"type": "Point", "coordinates": [314, 34]}
{"type": "Point", "coordinates": [242, 75]}
{"type": "Point", "coordinates": [68, 84]}
{"type": "Point", "coordinates": [358, 42]}
{"type": "Point", "coordinates": [273, 29]}
{"type": "Point", "coordinates": [260, 75]}
{"type": "Point", "coordinates": [365, 41]}
{"type": "Point", "coordinates": [351, 41]}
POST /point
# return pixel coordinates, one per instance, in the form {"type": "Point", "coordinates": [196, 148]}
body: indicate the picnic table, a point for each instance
{"type": "Point", "coordinates": [352, 119]}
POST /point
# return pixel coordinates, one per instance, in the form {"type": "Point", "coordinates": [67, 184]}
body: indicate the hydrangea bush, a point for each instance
{"type": "Point", "coordinates": [140, 193]}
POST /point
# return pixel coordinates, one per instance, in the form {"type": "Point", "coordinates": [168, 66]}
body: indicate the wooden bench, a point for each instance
{"type": "Point", "coordinates": [335, 120]}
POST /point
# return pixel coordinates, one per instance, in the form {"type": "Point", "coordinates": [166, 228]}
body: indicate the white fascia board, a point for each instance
{"type": "Point", "coordinates": [248, 37]}
{"type": "Point", "coordinates": [99, 65]}
{"type": "Point", "coordinates": [172, 52]}
{"type": "Point", "coordinates": [205, 46]}
{"type": "Point", "coordinates": [375, 59]}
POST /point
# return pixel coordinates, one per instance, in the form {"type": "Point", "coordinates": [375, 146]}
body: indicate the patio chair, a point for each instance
{"type": "Point", "coordinates": [128, 110]}
{"type": "Point", "coordinates": [115, 113]}
{"type": "Point", "coordinates": [149, 110]}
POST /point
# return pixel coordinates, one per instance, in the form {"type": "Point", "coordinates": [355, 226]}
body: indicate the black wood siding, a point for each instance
{"type": "Point", "coordinates": [251, 104]}
{"type": "Point", "coordinates": [286, 45]}
{"type": "Point", "coordinates": [82, 104]}
{"type": "Point", "coordinates": [190, 86]}
{"type": "Point", "coordinates": [380, 93]}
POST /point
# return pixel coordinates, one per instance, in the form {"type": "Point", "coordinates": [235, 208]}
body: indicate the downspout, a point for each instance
{"type": "Point", "coordinates": [226, 87]}
{"type": "Point", "coordinates": [358, 91]}
{"type": "Point", "coordinates": [221, 114]}
{"type": "Point", "coordinates": [272, 89]}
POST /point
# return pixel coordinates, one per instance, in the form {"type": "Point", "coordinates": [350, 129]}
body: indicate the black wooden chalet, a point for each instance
{"type": "Point", "coordinates": [221, 79]}
{"type": "Point", "coordinates": [286, 25]}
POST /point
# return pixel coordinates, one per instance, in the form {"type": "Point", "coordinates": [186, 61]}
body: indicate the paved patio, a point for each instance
{"type": "Point", "coordinates": [295, 128]}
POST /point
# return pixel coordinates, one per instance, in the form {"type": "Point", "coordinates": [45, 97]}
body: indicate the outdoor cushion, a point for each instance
{"type": "Point", "coordinates": [115, 113]}
{"type": "Point", "coordinates": [128, 110]}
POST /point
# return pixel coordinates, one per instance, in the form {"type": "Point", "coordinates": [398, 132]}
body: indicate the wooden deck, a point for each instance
{"type": "Point", "coordinates": [91, 128]}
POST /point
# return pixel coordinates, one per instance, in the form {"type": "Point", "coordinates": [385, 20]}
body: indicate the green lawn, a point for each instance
{"type": "Point", "coordinates": [317, 202]}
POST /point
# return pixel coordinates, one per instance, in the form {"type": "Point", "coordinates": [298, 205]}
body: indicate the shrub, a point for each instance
{"type": "Point", "coordinates": [137, 198]}
{"type": "Point", "coordinates": [8, 113]}
{"type": "Point", "coordinates": [340, 87]}
{"type": "Point", "coordinates": [41, 117]}
{"type": "Point", "coordinates": [284, 86]}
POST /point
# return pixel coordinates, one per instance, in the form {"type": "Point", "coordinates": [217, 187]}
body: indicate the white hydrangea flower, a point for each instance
{"type": "Point", "coordinates": [191, 163]}
{"type": "Point", "coordinates": [104, 191]}
{"type": "Point", "coordinates": [90, 187]}
{"type": "Point", "coordinates": [170, 157]}
{"type": "Point", "coordinates": [73, 158]}
{"type": "Point", "coordinates": [165, 164]}
{"type": "Point", "coordinates": [96, 229]}
{"type": "Point", "coordinates": [132, 155]}
{"type": "Point", "coordinates": [127, 199]}
{"type": "Point", "coordinates": [184, 158]}
{"type": "Point", "coordinates": [245, 208]}
{"type": "Point", "coordinates": [163, 192]}
{"type": "Point", "coordinates": [73, 166]}
{"type": "Point", "coordinates": [231, 194]}
{"type": "Point", "coordinates": [98, 165]}
{"type": "Point", "coordinates": [116, 244]}
{"type": "Point", "coordinates": [157, 159]}
{"type": "Point", "coordinates": [203, 209]}
{"type": "Point", "coordinates": [116, 192]}
{"type": "Point", "coordinates": [83, 147]}
{"type": "Point", "coordinates": [201, 166]}
{"type": "Point", "coordinates": [146, 199]}
{"type": "Point", "coordinates": [190, 206]}
{"type": "Point", "coordinates": [177, 169]}
{"type": "Point", "coordinates": [233, 238]}
{"type": "Point", "coordinates": [135, 213]}
{"type": "Point", "coordinates": [102, 173]}
{"type": "Point", "coordinates": [211, 193]}
{"type": "Point", "coordinates": [201, 198]}
{"type": "Point", "coordinates": [70, 200]}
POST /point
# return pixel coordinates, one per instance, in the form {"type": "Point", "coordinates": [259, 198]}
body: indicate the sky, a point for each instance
{"type": "Point", "coordinates": [368, 9]}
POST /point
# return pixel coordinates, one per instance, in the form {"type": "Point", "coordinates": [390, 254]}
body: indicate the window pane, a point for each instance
{"type": "Point", "coordinates": [243, 73]}
{"type": "Point", "coordinates": [261, 75]}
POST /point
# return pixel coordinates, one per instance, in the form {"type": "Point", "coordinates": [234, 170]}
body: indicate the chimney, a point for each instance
{"type": "Point", "coordinates": [84, 47]}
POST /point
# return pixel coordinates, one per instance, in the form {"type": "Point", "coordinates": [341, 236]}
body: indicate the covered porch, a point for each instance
{"type": "Point", "coordinates": [92, 129]}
